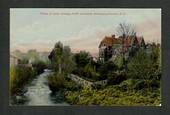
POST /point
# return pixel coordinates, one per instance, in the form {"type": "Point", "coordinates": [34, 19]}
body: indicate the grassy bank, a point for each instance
{"type": "Point", "coordinates": [22, 74]}
{"type": "Point", "coordinates": [58, 82]}
{"type": "Point", "coordinates": [113, 95]}
{"type": "Point", "coordinates": [19, 77]}
{"type": "Point", "coordinates": [131, 92]}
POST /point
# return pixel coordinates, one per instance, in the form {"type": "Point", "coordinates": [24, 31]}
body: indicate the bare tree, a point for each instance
{"type": "Point", "coordinates": [126, 29]}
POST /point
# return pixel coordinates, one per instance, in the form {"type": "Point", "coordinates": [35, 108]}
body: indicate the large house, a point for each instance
{"type": "Point", "coordinates": [110, 46]}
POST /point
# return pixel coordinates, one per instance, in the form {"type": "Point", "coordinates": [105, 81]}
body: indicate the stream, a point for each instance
{"type": "Point", "coordinates": [37, 93]}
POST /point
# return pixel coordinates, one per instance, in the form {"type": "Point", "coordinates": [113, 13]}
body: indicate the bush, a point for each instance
{"type": "Point", "coordinates": [119, 62]}
{"type": "Point", "coordinates": [39, 66]}
{"type": "Point", "coordinates": [143, 67]}
{"type": "Point", "coordinates": [71, 86]}
{"type": "Point", "coordinates": [155, 83]}
{"type": "Point", "coordinates": [106, 68]}
{"type": "Point", "coordinates": [82, 58]}
{"type": "Point", "coordinates": [112, 95]}
{"type": "Point", "coordinates": [127, 85]}
{"type": "Point", "coordinates": [140, 84]}
{"type": "Point", "coordinates": [116, 78]}
{"type": "Point", "coordinates": [19, 76]}
{"type": "Point", "coordinates": [56, 82]}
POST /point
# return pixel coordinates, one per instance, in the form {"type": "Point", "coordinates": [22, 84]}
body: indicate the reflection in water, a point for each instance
{"type": "Point", "coordinates": [38, 93]}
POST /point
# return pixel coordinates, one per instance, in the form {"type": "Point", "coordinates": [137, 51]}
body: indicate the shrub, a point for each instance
{"type": "Point", "coordinates": [112, 96]}
{"type": "Point", "coordinates": [127, 84]}
{"type": "Point", "coordinates": [155, 83]}
{"type": "Point", "coordinates": [71, 97]}
{"type": "Point", "coordinates": [106, 68]}
{"type": "Point", "coordinates": [56, 82]}
{"type": "Point", "coordinates": [119, 62]}
{"type": "Point", "coordinates": [19, 76]}
{"type": "Point", "coordinates": [82, 58]}
{"type": "Point", "coordinates": [116, 78]}
{"type": "Point", "coordinates": [143, 67]}
{"type": "Point", "coordinates": [140, 84]}
{"type": "Point", "coordinates": [39, 66]}
{"type": "Point", "coordinates": [71, 86]}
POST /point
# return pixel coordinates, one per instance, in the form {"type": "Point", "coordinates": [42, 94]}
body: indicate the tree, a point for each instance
{"type": "Point", "coordinates": [56, 55]}
{"type": "Point", "coordinates": [67, 60]}
{"type": "Point", "coordinates": [108, 67]}
{"type": "Point", "coordinates": [156, 58]}
{"type": "Point", "coordinates": [17, 53]}
{"type": "Point", "coordinates": [119, 62]}
{"type": "Point", "coordinates": [142, 67]}
{"type": "Point", "coordinates": [32, 55]}
{"type": "Point", "coordinates": [61, 59]}
{"type": "Point", "coordinates": [82, 58]}
{"type": "Point", "coordinates": [125, 30]}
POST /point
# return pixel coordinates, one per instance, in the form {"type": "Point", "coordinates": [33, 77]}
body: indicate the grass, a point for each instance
{"type": "Point", "coordinates": [113, 95]}
{"type": "Point", "coordinates": [19, 76]}
{"type": "Point", "coordinates": [129, 92]}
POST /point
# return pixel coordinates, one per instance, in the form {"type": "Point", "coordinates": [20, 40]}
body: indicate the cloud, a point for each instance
{"type": "Point", "coordinates": [79, 32]}
{"type": "Point", "coordinates": [88, 38]}
{"type": "Point", "coordinates": [150, 30]}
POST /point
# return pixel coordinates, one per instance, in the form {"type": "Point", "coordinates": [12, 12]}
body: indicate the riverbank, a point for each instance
{"type": "Point", "coordinates": [122, 94]}
{"type": "Point", "coordinates": [37, 93]}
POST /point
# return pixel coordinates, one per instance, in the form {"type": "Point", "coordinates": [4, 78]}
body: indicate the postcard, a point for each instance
{"type": "Point", "coordinates": [85, 56]}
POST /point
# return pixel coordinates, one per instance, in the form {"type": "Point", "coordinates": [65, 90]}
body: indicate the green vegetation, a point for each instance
{"type": "Point", "coordinates": [23, 73]}
{"type": "Point", "coordinates": [59, 82]}
{"type": "Point", "coordinates": [144, 68]}
{"type": "Point", "coordinates": [56, 82]}
{"type": "Point", "coordinates": [113, 95]}
{"type": "Point", "coordinates": [139, 84]}
{"type": "Point", "coordinates": [61, 59]}
{"type": "Point", "coordinates": [39, 66]}
{"type": "Point", "coordinates": [119, 62]}
{"type": "Point", "coordinates": [82, 58]}
{"type": "Point", "coordinates": [63, 64]}
{"type": "Point", "coordinates": [19, 76]}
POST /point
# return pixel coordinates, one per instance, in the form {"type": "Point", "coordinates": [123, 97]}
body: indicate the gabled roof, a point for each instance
{"type": "Point", "coordinates": [109, 41]}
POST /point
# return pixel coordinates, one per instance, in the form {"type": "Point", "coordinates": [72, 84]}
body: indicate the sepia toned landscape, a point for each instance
{"type": "Point", "coordinates": [105, 57]}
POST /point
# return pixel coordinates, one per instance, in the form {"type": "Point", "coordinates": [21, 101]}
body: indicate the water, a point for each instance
{"type": "Point", "coordinates": [38, 94]}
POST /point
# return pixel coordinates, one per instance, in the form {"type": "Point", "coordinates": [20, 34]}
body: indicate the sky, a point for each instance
{"type": "Point", "coordinates": [81, 29]}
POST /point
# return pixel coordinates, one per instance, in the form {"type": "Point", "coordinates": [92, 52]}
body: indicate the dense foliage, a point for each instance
{"type": "Point", "coordinates": [19, 76]}
{"type": "Point", "coordinates": [61, 59]}
{"type": "Point", "coordinates": [39, 66]}
{"type": "Point", "coordinates": [113, 95]}
{"type": "Point", "coordinates": [138, 84]}
{"type": "Point", "coordinates": [82, 58]}
{"type": "Point", "coordinates": [58, 82]}
{"type": "Point", "coordinates": [145, 68]}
